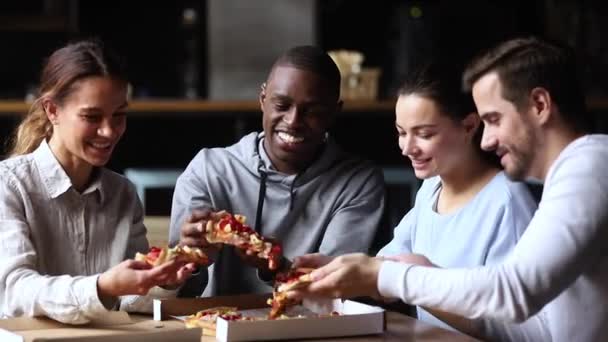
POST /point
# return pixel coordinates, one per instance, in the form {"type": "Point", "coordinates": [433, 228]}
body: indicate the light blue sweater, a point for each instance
{"type": "Point", "coordinates": [480, 233]}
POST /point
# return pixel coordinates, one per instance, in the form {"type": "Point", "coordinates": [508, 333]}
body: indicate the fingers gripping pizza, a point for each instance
{"type": "Point", "coordinates": [157, 256]}
{"type": "Point", "coordinates": [293, 279]}
{"type": "Point", "coordinates": [232, 230]}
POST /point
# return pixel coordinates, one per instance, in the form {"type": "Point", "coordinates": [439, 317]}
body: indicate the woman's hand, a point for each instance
{"type": "Point", "coordinates": [138, 277]}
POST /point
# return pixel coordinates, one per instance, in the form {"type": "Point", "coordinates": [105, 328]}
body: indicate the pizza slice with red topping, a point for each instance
{"type": "Point", "coordinates": [293, 279]}
{"type": "Point", "coordinates": [232, 230]}
{"type": "Point", "coordinates": [207, 319]}
{"type": "Point", "coordinates": [157, 256]}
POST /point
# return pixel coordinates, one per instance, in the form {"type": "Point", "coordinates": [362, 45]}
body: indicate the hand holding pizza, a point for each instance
{"type": "Point", "coordinates": [346, 276]}
{"type": "Point", "coordinates": [138, 277]}
{"type": "Point", "coordinates": [225, 228]}
{"type": "Point", "coordinates": [193, 231]}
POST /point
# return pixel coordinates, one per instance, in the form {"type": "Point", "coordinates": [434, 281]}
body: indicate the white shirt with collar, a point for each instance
{"type": "Point", "coordinates": [55, 241]}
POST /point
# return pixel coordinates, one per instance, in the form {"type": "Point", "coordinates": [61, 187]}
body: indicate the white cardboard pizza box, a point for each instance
{"type": "Point", "coordinates": [115, 326]}
{"type": "Point", "coordinates": [355, 318]}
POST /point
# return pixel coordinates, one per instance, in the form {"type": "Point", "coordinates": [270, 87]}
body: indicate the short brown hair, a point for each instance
{"type": "Point", "coordinates": [523, 64]}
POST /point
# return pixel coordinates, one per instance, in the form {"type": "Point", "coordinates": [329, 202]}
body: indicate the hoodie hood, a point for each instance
{"type": "Point", "coordinates": [250, 150]}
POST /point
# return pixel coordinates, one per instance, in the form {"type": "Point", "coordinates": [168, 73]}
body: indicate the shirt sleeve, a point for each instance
{"type": "Point", "coordinates": [354, 225]}
{"type": "Point", "coordinates": [191, 192]}
{"type": "Point", "coordinates": [68, 299]}
{"type": "Point", "coordinates": [567, 233]}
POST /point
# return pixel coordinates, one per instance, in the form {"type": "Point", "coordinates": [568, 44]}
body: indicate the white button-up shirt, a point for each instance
{"type": "Point", "coordinates": [54, 241]}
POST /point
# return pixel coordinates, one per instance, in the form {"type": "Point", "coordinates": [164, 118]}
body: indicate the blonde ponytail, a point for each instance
{"type": "Point", "coordinates": [31, 131]}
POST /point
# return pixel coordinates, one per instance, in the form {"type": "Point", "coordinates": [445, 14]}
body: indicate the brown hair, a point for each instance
{"type": "Point", "coordinates": [523, 64]}
{"type": "Point", "coordinates": [439, 81]}
{"type": "Point", "coordinates": [61, 71]}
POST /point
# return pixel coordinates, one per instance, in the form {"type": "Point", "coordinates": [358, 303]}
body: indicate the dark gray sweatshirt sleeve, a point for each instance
{"type": "Point", "coordinates": [191, 192]}
{"type": "Point", "coordinates": [354, 224]}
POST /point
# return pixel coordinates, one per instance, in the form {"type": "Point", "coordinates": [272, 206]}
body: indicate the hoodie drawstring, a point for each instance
{"type": "Point", "coordinates": [261, 197]}
{"type": "Point", "coordinates": [292, 193]}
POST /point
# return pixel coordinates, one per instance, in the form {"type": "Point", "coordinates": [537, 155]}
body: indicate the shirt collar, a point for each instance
{"type": "Point", "coordinates": [55, 180]}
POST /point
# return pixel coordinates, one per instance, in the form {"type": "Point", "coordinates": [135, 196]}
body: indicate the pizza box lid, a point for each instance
{"type": "Point", "coordinates": [355, 318]}
{"type": "Point", "coordinates": [114, 326]}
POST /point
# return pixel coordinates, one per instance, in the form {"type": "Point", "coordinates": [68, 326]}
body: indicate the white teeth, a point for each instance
{"type": "Point", "coordinates": [290, 139]}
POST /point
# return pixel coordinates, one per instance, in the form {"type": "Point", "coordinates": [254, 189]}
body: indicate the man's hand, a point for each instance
{"type": "Point", "coordinates": [314, 260]}
{"type": "Point", "coordinates": [138, 277]}
{"type": "Point", "coordinates": [192, 232]}
{"type": "Point", "coordinates": [346, 276]}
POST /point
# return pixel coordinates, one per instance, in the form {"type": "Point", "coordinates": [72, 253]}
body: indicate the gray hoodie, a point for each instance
{"type": "Point", "coordinates": [333, 207]}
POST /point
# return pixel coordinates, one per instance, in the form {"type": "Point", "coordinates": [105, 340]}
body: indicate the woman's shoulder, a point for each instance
{"type": "Point", "coordinates": [17, 169]}
{"type": "Point", "coordinates": [505, 191]}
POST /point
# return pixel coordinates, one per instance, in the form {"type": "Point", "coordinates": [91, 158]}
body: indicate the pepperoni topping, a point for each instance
{"type": "Point", "coordinates": [235, 225]}
{"type": "Point", "coordinates": [153, 253]}
{"type": "Point", "coordinates": [231, 316]}
{"type": "Point", "coordinates": [276, 250]}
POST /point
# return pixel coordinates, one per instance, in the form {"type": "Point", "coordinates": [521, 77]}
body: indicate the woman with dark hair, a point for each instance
{"type": "Point", "coordinates": [467, 212]}
{"type": "Point", "coordinates": [67, 224]}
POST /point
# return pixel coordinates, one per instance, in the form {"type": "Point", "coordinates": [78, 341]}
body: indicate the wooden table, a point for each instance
{"type": "Point", "coordinates": [118, 326]}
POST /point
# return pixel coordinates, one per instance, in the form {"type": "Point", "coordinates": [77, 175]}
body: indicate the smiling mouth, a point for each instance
{"type": "Point", "coordinates": [101, 146]}
{"type": "Point", "coordinates": [289, 138]}
{"type": "Point", "coordinates": [418, 162]}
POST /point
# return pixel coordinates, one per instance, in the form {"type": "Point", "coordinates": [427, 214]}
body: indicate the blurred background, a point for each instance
{"type": "Point", "coordinates": [196, 66]}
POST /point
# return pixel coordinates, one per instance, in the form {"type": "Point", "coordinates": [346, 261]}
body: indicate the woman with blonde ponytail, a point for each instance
{"type": "Point", "coordinates": [34, 128]}
{"type": "Point", "coordinates": [68, 226]}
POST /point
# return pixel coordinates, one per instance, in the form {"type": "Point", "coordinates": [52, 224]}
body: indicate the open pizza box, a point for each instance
{"type": "Point", "coordinates": [115, 326]}
{"type": "Point", "coordinates": [314, 320]}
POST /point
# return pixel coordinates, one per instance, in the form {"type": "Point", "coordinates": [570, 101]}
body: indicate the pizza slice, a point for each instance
{"type": "Point", "coordinates": [207, 319]}
{"type": "Point", "coordinates": [293, 279]}
{"type": "Point", "coordinates": [157, 256]}
{"type": "Point", "coordinates": [232, 230]}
